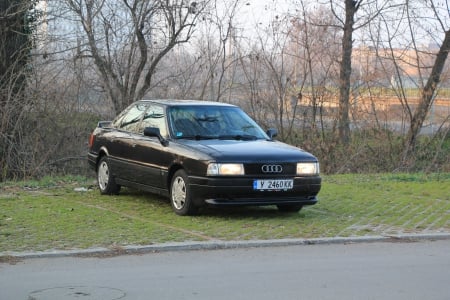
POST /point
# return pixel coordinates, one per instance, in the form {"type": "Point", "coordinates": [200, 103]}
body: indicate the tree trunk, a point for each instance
{"type": "Point", "coordinates": [426, 97]}
{"type": "Point", "coordinates": [346, 70]}
{"type": "Point", "coordinates": [16, 25]}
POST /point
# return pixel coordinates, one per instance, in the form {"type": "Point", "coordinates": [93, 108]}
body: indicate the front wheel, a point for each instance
{"type": "Point", "coordinates": [180, 195]}
{"type": "Point", "coordinates": [289, 208]}
{"type": "Point", "coordinates": [105, 180]}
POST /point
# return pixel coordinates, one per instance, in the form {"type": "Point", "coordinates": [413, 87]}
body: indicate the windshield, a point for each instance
{"type": "Point", "coordinates": [213, 122]}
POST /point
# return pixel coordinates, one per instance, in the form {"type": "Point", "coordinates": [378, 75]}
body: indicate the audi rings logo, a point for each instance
{"type": "Point", "coordinates": [272, 169]}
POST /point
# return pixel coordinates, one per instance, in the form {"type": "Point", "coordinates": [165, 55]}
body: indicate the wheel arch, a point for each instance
{"type": "Point", "coordinates": [101, 153]}
{"type": "Point", "coordinates": [172, 170]}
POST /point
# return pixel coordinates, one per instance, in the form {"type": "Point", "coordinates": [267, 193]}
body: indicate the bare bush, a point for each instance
{"type": "Point", "coordinates": [92, 58]}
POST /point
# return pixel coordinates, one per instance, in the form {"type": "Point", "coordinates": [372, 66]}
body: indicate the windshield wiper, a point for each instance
{"type": "Point", "coordinates": [197, 137]}
{"type": "Point", "coordinates": [238, 137]}
{"type": "Point", "coordinates": [207, 119]}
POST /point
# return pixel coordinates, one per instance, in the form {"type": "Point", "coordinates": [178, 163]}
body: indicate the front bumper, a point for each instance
{"type": "Point", "coordinates": [239, 191]}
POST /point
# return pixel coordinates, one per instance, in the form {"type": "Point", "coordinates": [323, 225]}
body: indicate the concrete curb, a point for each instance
{"type": "Point", "coordinates": [217, 245]}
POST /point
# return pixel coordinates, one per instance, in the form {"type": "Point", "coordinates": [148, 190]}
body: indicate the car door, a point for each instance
{"type": "Point", "coordinates": [154, 158]}
{"type": "Point", "coordinates": [122, 149]}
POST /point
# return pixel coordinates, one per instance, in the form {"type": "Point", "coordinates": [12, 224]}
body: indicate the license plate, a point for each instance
{"type": "Point", "coordinates": [273, 184]}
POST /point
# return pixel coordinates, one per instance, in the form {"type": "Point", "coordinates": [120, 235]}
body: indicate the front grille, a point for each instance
{"type": "Point", "coordinates": [256, 169]}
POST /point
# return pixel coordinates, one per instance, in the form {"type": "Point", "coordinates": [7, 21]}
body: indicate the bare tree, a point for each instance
{"type": "Point", "coordinates": [127, 40]}
{"type": "Point", "coordinates": [314, 47]}
{"type": "Point", "coordinates": [441, 15]}
{"type": "Point", "coordinates": [276, 79]}
{"type": "Point", "coordinates": [347, 16]}
{"type": "Point", "coordinates": [17, 24]}
{"type": "Point", "coordinates": [221, 45]}
{"type": "Point", "coordinates": [412, 45]}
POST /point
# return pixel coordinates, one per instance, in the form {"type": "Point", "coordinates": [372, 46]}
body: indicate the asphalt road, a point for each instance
{"type": "Point", "coordinates": [419, 270]}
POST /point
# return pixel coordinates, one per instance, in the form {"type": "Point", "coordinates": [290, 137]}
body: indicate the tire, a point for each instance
{"type": "Point", "coordinates": [180, 195]}
{"type": "Point", "coordinates": [289, 208]}
{"type": "Point", "coordinates": [105, 180]}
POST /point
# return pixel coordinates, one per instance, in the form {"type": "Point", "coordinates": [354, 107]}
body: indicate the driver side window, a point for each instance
{"type": "Point", "coordinates": [154, 117]}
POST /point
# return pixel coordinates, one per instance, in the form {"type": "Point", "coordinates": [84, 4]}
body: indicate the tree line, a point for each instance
{"type": "Point", "coordinates": [318, 71]}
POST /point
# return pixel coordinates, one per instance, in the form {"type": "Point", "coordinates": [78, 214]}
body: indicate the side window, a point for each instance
{"type": "Point", "coordinates": [155, 117]}
{"type": "Point", "coordinates": [130, 120]}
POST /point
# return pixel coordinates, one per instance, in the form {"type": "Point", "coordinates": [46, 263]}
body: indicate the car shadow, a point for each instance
{"type": "Point", "coordinates": [270, 211]}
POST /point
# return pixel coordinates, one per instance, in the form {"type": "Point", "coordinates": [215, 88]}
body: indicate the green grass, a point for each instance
{"type": "Point", "coordinates": [50, 214]}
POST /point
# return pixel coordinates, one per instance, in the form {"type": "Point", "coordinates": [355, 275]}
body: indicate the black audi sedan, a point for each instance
{"type": "Point", "coordinates": [198, 153]}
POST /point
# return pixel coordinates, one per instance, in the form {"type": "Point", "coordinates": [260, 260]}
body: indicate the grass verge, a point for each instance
{"type": "Point", "coordinates": [55, 213]}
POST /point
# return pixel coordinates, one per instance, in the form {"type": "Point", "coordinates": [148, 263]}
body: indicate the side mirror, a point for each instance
{"type": "Point", "coordinates": [104, 124]}
{"type": "Point", "coordinates": [272, 132]}
{"type": "Point", "coordinates": [154, 132]}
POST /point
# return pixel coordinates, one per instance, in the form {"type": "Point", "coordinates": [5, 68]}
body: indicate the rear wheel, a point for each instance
{"type": "Point", "coordinates": [106, 182]}
{"type": "Point", "coordinates": [289, 207]}
{"type": "Point", "coordinates": [180, 195]}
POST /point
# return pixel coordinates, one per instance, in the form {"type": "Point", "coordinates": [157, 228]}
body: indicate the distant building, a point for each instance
{"type": "Point", "coordinates": [392, 67]}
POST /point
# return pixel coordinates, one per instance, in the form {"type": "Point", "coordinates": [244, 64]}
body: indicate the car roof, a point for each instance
{"type": "Point", "coordinates": [179, 102]}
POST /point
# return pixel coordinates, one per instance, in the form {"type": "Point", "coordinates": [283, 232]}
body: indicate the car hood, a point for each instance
{"type": "Point", "coordinates": [248, 151]}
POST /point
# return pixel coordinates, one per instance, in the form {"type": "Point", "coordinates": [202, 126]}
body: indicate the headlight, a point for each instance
{"type": "Point", "coordinates": [225, 169]}
{"type": "Point", "coordinates": [308, 168]}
